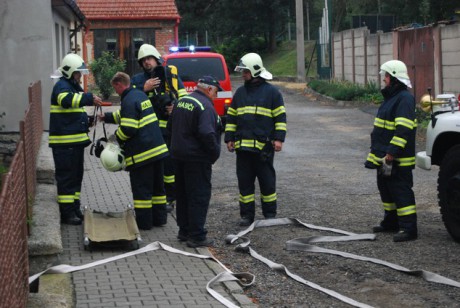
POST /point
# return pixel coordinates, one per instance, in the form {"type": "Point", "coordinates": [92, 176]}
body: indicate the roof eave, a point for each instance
{"type": "Point", "coordinates": [95, 18]}
{"type": "Point", "coordinates": [69, 8]}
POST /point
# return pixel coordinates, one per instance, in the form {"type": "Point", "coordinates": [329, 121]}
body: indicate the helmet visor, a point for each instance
{"type": "Point", "coordinates": [240, 68]}
{"type": "Point", "coordinates": [83, 69]}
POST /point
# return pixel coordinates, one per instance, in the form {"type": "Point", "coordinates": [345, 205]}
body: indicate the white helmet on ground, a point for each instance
{"type": "Point", "coordinates": [253, 63]}
{"type": "Point", "coordinates": [112, 157]}
{"type": "Point", "coordinates": [398, 70]}
{"type": "Point", "coordinates": [147, 50]}
{"type": "Point", "coordinates": [72, 63]}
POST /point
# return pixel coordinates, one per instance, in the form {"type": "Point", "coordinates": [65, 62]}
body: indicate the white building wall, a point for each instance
{"type": "Point", "coordinates": [28, 45]}
{"type": "Point", "coordinates": [25, 46]}
{"type": "Point", "coordinates": [450, 58]}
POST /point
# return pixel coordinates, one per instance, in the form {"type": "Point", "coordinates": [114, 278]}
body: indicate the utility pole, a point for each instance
{"type": "Point", "coordinates": [308, 19]}
{"type": "Point", "coordinates": [300, 41]}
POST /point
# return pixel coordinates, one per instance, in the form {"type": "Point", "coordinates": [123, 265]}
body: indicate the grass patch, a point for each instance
{"type": "Point", "coordinates": [347, 91]}
{"type": "Point", "coordinates": [283, 62]}
{"type": "Point", "coordinates": [3, 170]}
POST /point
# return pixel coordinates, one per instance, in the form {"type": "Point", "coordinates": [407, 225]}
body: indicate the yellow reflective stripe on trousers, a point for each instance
{"type": "Point", "coordinates": [408, 210]}
{"type": "Point", "coordinates": [269, 198]}
{"type": "Point", "coordinates": [169, 179]}
{"type": "Point", "coordinates": [65, 198]}
{"type": "Point", "coordinates": [389, 206]}
{"type": "Point", "coordinates": [158, 200]}
{"type": "Point", "coordinates": [247, 199]}
{"type": "Point", "coordinates": [75, 138]}
{"type": "Point", "coordinates": [142, 204]}
{"type": "Point", "coordinates": [146, 155]}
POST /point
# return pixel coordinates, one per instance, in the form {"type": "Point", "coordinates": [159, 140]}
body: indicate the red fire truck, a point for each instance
{"type": "Point", "coordinates": [195, 62]}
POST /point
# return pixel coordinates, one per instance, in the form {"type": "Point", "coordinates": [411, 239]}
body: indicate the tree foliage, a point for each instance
{"type": "Point", "coordinates": [239, 26]}
{"type": "Point", "coordinates": [103, 69]}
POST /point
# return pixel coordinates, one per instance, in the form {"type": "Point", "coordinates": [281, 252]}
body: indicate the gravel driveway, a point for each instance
{"type": "Point", "coordinates": [322, 181]}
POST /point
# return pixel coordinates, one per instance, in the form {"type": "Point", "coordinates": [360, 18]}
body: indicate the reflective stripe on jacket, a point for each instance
{"type": "Point", "coordinates": [68, 117]}
{"type": "Point", "coordinates": [256, 116]}
{"type": "Point", "coordinates": [172, 79]}
{"type": "Point", "coordinates": [394, 130]}
{"type": "Point", "coordinates": [138, 132]}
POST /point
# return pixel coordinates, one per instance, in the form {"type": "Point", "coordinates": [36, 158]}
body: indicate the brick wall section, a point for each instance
{"type": "Point", "coordinates": [14, 265]}
{"type": "Point", "coordinates": [17, 192]}
{"type": "Point", "coordinates": [164, 35]}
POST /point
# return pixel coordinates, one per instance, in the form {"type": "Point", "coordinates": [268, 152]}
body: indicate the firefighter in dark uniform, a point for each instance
{"type": "Point", "coordinates": [140, 137]}
{"type": "Point", "coordinates": [393, 153]}
{"type": "Point", "coordinates": [68, 135]}
{"type": "Point", "coordinates": [255, 129]}
{"type": "Point", "coordinates": [195, 145]}
{"type": "Point", "coordinates": [163, 86]}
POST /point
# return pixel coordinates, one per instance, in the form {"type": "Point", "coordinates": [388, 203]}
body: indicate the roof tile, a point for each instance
{"type": "Point", "coordinates": [130, 9]}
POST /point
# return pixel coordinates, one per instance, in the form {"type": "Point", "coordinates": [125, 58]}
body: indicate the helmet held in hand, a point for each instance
{"type": "Point", "coordinates": [112, 157]}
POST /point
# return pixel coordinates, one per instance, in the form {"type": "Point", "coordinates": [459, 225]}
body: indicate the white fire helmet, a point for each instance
{"type": "Point", "coordinates": [72, 63]}
{"type": "Point", "coordinates": [253, 63]}
{"type": "Point", "coordinates": [398, 70]}
{"type": "Point", "coordinates": [112, 157]}
{"type": "Point", "coordinates": [147, 50]}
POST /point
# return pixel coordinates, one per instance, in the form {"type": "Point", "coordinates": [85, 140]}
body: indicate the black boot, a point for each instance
{"type": "Point", "coordinates": [159, 215]}
{"type": "Point", "coordinates": [68, 215]}
{"type": "Point", "coordinates": [144, 218]}
{"type": "Point", "coordinates": [78, 211]}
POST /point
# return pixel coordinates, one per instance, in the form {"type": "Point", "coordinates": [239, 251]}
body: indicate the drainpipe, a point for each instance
{"type": "Point", "coordinates": [176, 32]}
{"type": "Point", "coordinates": [85, 58]}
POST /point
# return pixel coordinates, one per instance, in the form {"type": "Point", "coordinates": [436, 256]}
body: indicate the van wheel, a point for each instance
{"type": "Point", "coordinates": [449, 191]}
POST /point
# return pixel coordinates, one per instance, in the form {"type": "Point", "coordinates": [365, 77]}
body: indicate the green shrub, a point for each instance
{"type": "Point", "coordinates": [347, 91]}
{"type": "Point", "coordinates": [3, 170]}
{"type": "Point", "coordinates": [103, 69]}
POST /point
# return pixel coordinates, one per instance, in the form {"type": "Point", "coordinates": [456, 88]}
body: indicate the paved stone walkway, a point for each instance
{"type": "Point", "coordinates": [152, 279]}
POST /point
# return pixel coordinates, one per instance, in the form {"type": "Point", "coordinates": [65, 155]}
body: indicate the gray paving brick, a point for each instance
{"type": "Point", "coordinates": [153, 279]}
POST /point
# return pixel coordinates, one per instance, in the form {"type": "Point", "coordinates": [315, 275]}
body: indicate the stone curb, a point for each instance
{"type": "Point", "coordinates": [45, 240]}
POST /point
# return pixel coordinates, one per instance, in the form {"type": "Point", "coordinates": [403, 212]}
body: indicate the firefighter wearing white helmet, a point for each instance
{"type": "Point", "coordinates": [393, 153]}
{"type": "Point", "coordinates": [72, 63]}
{"type": "Point", "coordinates": [68, 135]}
{"type": "Point", "coordinates": [163, 86]}
{"type": "Point", "coordinates": [112, 157]}
{"type": "Point", "coordinates": [255, 130]}
{"type": "Point", "coordinates": [253, 63]}
{"type": "Point", "coordinates": [147, 50]}
{"type": "Point", "coordinates": [398, 70]}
